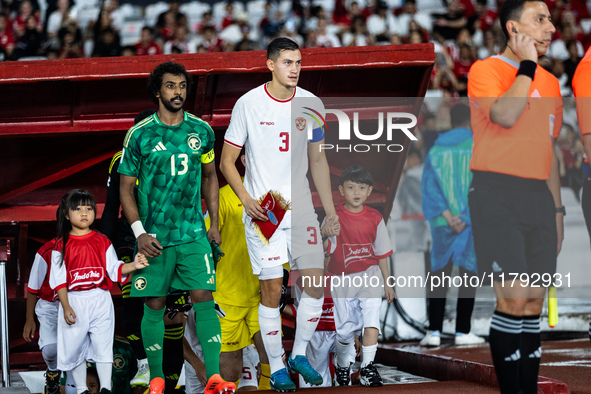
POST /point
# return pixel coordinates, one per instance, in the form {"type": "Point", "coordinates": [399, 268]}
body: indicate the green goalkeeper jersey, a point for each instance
{"type": "Point", "coordinates": [167, 162]}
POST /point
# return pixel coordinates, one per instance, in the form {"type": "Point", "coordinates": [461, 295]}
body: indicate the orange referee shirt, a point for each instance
{"type": "Point", "coordinates": [582, 90]}
{"type": "Point", "coordinates": [524, 150]}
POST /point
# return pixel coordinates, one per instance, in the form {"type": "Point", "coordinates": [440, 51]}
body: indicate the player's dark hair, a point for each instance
{"type": "Point", "coordinates": [511, 11]}
{"type": "Point", "coordinates": [71, 200]}
{"type": "Point", "coordinates": [356, 174]}
{"type": "Point", "coordinates": [280, 44]}
{"type": "Point", "coordinates": [155, 78]}
{"type": "Point", "coordinates": [143, 115]}
{"type": "Point", "coordinates": [460, 115]}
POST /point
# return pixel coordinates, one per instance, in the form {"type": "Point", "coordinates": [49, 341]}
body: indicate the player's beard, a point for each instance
{"type": "Point", "coordinates": [168, 105]}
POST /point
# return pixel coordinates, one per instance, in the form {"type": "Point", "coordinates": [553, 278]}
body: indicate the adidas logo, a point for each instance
{"type": "Point", "coordinates": [211, 281]}
{"type": "Point", "coordinates": [496, 267]}
{"type": "Point", "coordinates": [537, 353]}
{"type": "Point", "coordinates": [216, 338]}
{"type": "Point", "coordinates": [159, 147]}
{"type": "Point", "coordinates": [514, 357]}
{"type": "Point", "coordinates": [155, 347]}
{"type": "Point", "coordinates": [180, 301]}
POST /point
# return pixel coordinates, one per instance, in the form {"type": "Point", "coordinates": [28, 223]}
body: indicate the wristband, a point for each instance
{"type": "Point", "coordinates": [527, 68]}
{"type": "Point", "coordinates": [561, 210]}
{"type": "Point", "coordinates": [138, 228]}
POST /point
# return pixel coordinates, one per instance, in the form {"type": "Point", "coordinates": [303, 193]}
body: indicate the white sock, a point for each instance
{"type": "Point", "coordinates": [270, 325]}
{"type": "Point", "coordinates": [342, 354]}
{"type": "Point", "coordinates": [70, 384]}
{"type": "Point", "coordinates": [104, 371]}
{"type": "Point", "coordinates": [49, 353]}
{"type": "Point", "coordinates": [309, 312]}
{"type": "Point", "coordinates": [368, 354]}
{"type": "Point", "coordinates": [79, 375]}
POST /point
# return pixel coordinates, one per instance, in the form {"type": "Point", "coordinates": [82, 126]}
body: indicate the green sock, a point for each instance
{"type": "Point", "coordinates": [209, 334]}
{"type": "Point", "coordinates": [153, 338]}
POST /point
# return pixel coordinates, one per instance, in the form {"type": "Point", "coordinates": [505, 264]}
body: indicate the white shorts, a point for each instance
{"type": "Point", "coordinates": [91, 337]}
{"type": "Point", "coordinates": [250, 360]}
{"type": "Point", "coordinates": [321, 346]}
{"type": "Point", "coordinates": [357, 307]}
{"type": "Point", "coordinates": [287, 244]}
{"type": "Point", "coordinates": [47, 313]}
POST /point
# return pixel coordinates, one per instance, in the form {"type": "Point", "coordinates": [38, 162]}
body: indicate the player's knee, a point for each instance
{"type": "Point", "coordinates": [49, 353]}
{"type": "Point", "coordinates": [512, 306]}
{"type": "Point", "coordinates": [231, 365]}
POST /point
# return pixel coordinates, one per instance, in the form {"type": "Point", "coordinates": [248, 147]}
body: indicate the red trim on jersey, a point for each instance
{"type": "Point", "coordinates": [60, 287]}
{"type": "Point", "coordinates": [293, 310]}
{"type": "Point", "coordinates": [32, 291]}
{"type": "Point", "coordinates": [384, 256]}
{"type": "Point", "coordinates": [276, 99]}
{"type": "Point", "coordinates": [233, 144]}
{"type": "Point", "coordinates": [120, 275]}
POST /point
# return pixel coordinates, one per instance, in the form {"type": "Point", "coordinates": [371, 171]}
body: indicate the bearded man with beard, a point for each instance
{"type": "Point", "coordinates": [171, 157]}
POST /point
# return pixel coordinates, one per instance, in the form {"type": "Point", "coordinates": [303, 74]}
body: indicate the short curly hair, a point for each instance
{"type": "Point", "coordinates": [156, 76]}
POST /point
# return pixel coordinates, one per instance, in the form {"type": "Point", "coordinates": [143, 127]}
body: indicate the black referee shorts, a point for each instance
{"type": "Point", "coordinates": [514, 225]}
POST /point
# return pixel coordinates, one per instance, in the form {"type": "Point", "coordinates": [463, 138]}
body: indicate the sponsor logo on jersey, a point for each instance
{"type": "Point", "coordinates": [267, 123]}
{"type": "Point", "coordinates": [86, 276]}
{"type": "Point", "coordinates": [194, 141]}
{"type": "Point", "coordinates": [159, 147]}
{"type": "Point", "coordinates": [140, 283]}
{"type": "Point", "coordinates": [354, 252]}
{"type": "Point", "coordinates": [300, 123]}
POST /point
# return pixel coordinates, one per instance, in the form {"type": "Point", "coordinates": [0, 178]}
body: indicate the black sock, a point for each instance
{"type": "Point", "coordinates": [505, 338]}
{"type": "Point", "coordinates": [172, 361]}
{"type": "Point", "coordinates": [590, 330]}
{"type": "Point", "coordinates": [531, 352]}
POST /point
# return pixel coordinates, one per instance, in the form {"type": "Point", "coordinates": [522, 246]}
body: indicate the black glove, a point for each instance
{"type": "Point", "coordinates": [284, 287]}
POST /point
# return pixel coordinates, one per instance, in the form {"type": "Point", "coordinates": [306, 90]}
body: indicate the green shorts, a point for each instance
{"type": "Point", "coordinates": [184, 267]}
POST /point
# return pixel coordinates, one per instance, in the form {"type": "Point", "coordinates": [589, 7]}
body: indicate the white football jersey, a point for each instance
{"type": "Point", "coordinates": [275, 141]}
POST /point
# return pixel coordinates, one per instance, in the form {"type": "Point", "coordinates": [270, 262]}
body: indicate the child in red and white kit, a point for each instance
{"type": "Point", "coordinates": [359, 264]}
{"type": "Point", "coordinates": [83, 267]}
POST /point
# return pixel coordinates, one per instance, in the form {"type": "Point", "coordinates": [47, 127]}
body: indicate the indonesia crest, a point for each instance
{"type": "Point", "coordinates": [194, 141]}
{"type": "Point", "coordinates": [300, 123]}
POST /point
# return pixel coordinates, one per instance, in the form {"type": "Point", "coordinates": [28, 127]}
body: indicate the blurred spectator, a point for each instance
{"type": "Point", "coordinates": [445, 80]}
{"type": "Point", "coordinates": [128, 50]}
{"type": "Point", "coordinates": [272, 25]}
{"type": "Point", "coordinates": [30, 43]}
{"type": "Point", "coordinates": [450, 23]}
{"type": "Point", "coordinates": [358, 35]}
{"type": "Point", "coordinates": [107, 44]}
{"type": "Point", "coordinates": [382, 24]}
{"type": "Point", "coordinates": [70, 40]}
{"type": "Point", "coordinates": [325, 39]}
{"type": "Point", "coordinates": [210, 40]}
{"type": "Point", "coordinates": [558, 49]}
{"type": "Point", "coordinates": [6, 37]}
{"type": "Point", "coordinates": [246, 44]}
{"type": "Point", "coordinates": [316, 13]}
{"type": "Point", "coordinates": [206, 20]}
{"type": "Point", "coordinates": [462, 65]}
{"type": "Point", "coordinates": [58, 19]}
{"type": "Point", "coordinates": [570, 154]}
{"type": "Point", "coordinates": [490, 47]}
{"type": "Point", "coordinates": [228, 18]}
{"type": "Point", "coordinates": [558, 72]}
{"type": "Point", "coordinates": [168, 20]}
{"type": "Point", "coordinates": [51, 54]}
{"type": "Point", "coordinates": [289, 31]}
{"type": "Point", "coordinates": [182, 41]}
{"type": "Point", "coordinates": [570, 64]}
{"type": "Point", "coordinates": [311, 40]}
{"type": "Point", "coordinates": [22, 20]}
{"type": "Point", "coordinates": [147, 44]}
{"type": "Point", "coordinates": [485, 17]}
{"type": "Point", "coordinates": [410, 14]}
{"type": "Point", "coordinates": [233, 32]}
{"type": "Point", "coordinates": [340, 15]}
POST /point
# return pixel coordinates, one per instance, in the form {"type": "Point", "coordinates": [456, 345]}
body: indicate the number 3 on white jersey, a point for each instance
{"type": "Point", "coordinates": [285, 141]}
